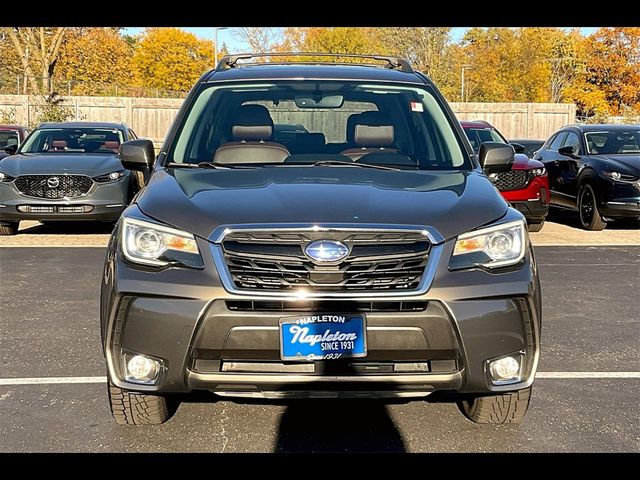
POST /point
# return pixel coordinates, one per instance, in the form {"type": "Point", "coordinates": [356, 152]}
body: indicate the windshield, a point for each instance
{"type": "Point", "coordinates": [7, 138]}
{"type": "Point", "coordinates": [477, 136]}
{"type": "Point", "coordinates": [73, 140]}
{"type": "Point", "coordinates": [613, 142]}
{"type": "Point", "coordinates": [314, 122]}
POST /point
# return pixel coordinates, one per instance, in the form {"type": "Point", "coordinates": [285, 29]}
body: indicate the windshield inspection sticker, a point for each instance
{"type": "Point", "coordinates": [416, 107]}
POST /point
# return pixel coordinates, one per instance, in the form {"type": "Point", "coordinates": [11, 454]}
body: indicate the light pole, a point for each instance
{"type": "Point", "coordinates": [464, 67]}
{"type": "Point", "coordinates": [215, 43]}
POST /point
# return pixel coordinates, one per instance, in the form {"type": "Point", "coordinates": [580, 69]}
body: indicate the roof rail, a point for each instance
{"type": "Point", "coordinates": [230, 61]}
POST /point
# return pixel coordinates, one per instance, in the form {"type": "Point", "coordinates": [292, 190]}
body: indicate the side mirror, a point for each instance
{"type": "Point", "coordinates": [568, 151]}
{"type": "Point", "coordinates": [137, 154]}
{"type": "Point", "coordinates": [496, 157]}
{"type": "Point", "coordinates": [11, 149]}
{"type": "Point", "coordinates": [517, 147]}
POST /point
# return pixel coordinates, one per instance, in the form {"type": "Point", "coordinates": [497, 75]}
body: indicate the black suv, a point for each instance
{"type": "Point", "coordinates": [358, 250]}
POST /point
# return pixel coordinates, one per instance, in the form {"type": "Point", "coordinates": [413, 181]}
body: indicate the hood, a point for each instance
{"type": "Point", "coordinates": [59, 163]}
{"type": "Point", "coordinates": [629, 164]}
{"type": "Point", "coordinates": [198, 201]}
{"type": "Point", "coordinates": [522, 162]}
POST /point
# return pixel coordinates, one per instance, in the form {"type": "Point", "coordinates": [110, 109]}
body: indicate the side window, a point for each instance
{"type": "Point", "coordinates": [473, 139]}
{"type": "Point", "coordinates": [556, 142]}
{"type": "Point", "coordinates": [572, 140]}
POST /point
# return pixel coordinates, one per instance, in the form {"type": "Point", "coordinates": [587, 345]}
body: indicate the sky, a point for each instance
{"type": "Point", "coordinates": [236, 45]}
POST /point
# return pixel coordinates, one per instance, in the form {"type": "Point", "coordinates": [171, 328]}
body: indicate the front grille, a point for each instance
{"type": "Point", "coordinates": [391, 261]}
{"type": "Point", "coordinates": [324, 306]}
{"type": "Point", "coordinates": [53, 186]}
{"type": "Point", "coordinates": [511, 180]}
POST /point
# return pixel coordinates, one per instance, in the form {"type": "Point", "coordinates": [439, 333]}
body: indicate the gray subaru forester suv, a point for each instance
{"type": "Point", "coordinates": [319, 229]}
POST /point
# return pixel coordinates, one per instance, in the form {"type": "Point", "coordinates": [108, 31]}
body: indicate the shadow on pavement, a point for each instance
{"type": "Point", "coordinates": [68, 228]}
{"type": "Point", "coordinates": [338, 426]}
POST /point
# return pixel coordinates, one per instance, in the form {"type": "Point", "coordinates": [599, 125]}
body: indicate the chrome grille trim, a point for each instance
{"type": "Point", "coordinates": [227, 278]}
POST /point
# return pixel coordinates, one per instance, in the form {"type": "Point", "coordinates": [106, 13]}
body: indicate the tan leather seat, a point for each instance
{"type": "Point", "coordinates": [373, 139]}
{"type": "Point", "coordinates": [252, 129]}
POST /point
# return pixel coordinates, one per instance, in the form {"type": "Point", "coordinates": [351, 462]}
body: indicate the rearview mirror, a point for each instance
{"type": "Point", "coordinates": [496, 157]}
{"type": "Point", "coordinates": [518, 148]}
{"type": "Point", "coordinates": [11, 149]}
{"type": "Point", "coordinates": [137, 154]}
{"type": "Point", "coordinates": [568, 151]}
{"type": "Point", "coordinates": [328, 101]}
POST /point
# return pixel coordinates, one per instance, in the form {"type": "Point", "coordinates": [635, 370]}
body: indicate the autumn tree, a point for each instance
{"type": "Point", "coordinates": [427, 48]}
{"type": "Point", "coordinates": [38, 49]}
{"type": "Point", "coordinates": [171, 59]}
{"type": "Point", "coordinates": [95, 60]}
{"type": "Point", "coordinates": [613, 66]}
{"type": "Point", "coordinates": [350, 40]}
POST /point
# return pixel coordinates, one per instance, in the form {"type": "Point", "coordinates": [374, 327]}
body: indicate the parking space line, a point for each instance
{"type": "Point", "coordinates": [51, 380]}
{"type": "Point", "coordinates": [98, 379]}
{"type": "Point", "coordinates": [588, 375]}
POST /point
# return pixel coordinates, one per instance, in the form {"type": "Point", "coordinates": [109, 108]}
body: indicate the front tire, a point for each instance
{"type": "Point", "coordinates": [590, 217]}
{"type": "Point", "coordinates": [129, 408]}
{"type": "Point", "coordinates": [535, 227]}
{"type": "Point", "coordinates": [508, 407]}
{"type": "Point", "coordinates": [9, 228]}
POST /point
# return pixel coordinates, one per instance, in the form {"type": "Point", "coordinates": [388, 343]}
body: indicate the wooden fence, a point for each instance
{"type": "Point", "coordinates": [151, 117]}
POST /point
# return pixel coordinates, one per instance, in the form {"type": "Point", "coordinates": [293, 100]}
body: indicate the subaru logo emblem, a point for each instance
{"type": "Point", "coordinates": [326, 251]}
{"type": "Point", "coordinates": [53, 182]}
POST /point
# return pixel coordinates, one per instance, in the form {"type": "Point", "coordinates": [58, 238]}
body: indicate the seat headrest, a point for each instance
{"type": "Point", "coordinates": [252, 122]}
{"type": "Point", "coordinates": [374, 136]}
{"type": "Point", "coordinates": [111, 145]}
{"type": "Point", "coordinates": [59, 144]}
{"type": "Point", "coordinates": [370, 117]}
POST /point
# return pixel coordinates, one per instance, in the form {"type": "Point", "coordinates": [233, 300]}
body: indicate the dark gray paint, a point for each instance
{"type": "Point", "coordinates": [198, 201]}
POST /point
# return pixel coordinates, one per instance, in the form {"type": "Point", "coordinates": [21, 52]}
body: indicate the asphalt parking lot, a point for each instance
{"type": "Point", "coordinates": [585, 397]}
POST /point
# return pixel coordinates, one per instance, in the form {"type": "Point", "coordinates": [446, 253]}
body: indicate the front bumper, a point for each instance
{"type": "Point", "coordinates": [532, 201]}
{"type": "Point", "coordinates": [105, 202]}
{"type": "Point", "coordinates": [619, 199]}
{"type": "Point", "coordinates": [209, 338]}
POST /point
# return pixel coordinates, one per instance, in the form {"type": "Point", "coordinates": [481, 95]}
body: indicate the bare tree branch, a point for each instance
{"type": "Point", "coordinates": [23, 58]}
{"type": "Point", "coordinates": [259, 39]}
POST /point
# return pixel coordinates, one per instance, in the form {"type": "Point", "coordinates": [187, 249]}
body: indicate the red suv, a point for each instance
{"type": "Point", "coordinates": [525, 186]}
{"type": "Point", "coordinates": [11, 136]}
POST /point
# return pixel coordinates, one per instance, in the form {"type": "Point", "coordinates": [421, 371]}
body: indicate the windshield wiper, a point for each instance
{"type": "Point", "coordinates": [329, 163]}
{"type": "Point", "coordinates": [204, 165]}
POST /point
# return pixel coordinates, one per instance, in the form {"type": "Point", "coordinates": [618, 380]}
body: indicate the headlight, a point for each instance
{"type": "Point", "coordinates": [498, 246]}
{"type": "Point", "coordinates": [152, 244]}
{"type": "Point", "coordinates": [538, 172]}
{"type": "Point", "coordinates": [5, 178]}
{"type": "Point", "coordinates": [110, 177]}
{"type": "Point", "coordinates": [620, 177]}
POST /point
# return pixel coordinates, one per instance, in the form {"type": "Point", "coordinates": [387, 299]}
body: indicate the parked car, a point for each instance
{"type": "Point", "coordinates": [530, 146]}
{"type": "Point", "coordinates": [391, 269]}
{"type": "Point", "coordinates": [11, 135]}
{"type": "Point", "coordinates": [65, 171]}
{"type": "Point", "coordinates": [525, 185]}
{"type": "Point", "coordinates": [595, 170]}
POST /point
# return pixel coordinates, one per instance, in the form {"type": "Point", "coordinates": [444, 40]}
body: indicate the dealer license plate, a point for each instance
{"type": "Point", "coordinates": [323, 337]}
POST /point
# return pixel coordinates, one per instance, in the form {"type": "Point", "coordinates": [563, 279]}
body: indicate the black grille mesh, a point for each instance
{"type": "Point", "coordinates": [511, 180]}
{"type": "Point", "coordinates": [276, 261]}
{"type": "Point", "coordinates": [68, 186]}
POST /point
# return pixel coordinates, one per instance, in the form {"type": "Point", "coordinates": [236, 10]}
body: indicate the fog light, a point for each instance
{"type": "Point", "coordinates": [505, 370]}
{"type": "Point", "coordinates": [141, 369]}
